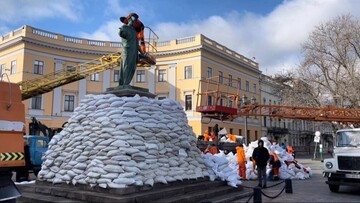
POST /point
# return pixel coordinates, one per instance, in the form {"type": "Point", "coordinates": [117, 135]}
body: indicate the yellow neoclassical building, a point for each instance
{"type": "Point", "coordinates": [29, 52]}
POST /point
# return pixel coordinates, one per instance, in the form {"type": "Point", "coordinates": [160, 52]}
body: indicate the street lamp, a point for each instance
{"type": "Point", "coordinates": [245, 101]}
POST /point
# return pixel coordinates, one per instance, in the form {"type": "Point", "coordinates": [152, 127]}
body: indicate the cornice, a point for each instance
{"type": "Point", "coordinates": [63, 48]}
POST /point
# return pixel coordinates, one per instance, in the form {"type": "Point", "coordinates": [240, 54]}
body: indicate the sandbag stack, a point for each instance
{"type": "Point", "coordinates": [114, 142]}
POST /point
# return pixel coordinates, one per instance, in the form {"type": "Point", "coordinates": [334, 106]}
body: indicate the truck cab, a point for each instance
{"type": "Point", "coordinates": [38, 145]}
{"type": "Point", "coordinates": [344, 167]}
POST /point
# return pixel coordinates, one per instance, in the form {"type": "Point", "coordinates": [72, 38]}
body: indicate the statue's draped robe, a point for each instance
{"type": "Point", "coordinates": [129, 54]}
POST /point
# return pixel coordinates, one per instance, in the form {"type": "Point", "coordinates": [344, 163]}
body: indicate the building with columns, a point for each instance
{"type": "Point", "coordinates": [28, 52]}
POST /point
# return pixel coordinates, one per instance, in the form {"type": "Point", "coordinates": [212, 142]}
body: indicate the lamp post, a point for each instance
{"type": "Point", "coordinates": [245, 101]}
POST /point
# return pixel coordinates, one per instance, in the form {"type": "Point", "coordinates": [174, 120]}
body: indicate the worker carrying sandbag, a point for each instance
{"type": "Point", "coordinates": [290, 151]}
{"type": "Point", "coordinates": [275, 164]}
{"type": "Point", "coordinates": [211, 149]}
{"type": "Point", "coordinates": [241, 161]}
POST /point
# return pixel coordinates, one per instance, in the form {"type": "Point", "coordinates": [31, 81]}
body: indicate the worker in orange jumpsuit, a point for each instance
{"type": "Point", "coordinates": [241, 161]}
{"type": "Point", "coordinates": [211, 149]}
{"type": "Point", "coordinates": [232, 137]}
{"type": "Point", "coordinates": [290, 151]}
{"type": "Point", "coordinates": [212, 137]}
{"type": "Point", "coordinates": [139, 28]}
{"type": "Point", "coordinates": [206, 136]}
{"type": "Point", "coordinates": [275, 163]}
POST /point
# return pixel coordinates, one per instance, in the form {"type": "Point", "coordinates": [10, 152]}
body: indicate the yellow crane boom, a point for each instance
{"type": "Point", "coordinates": [46, 83]}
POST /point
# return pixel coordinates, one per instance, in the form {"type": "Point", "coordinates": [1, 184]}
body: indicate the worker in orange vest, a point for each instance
{"type": "Point", "coordinates": [232, 137]}
{"type": "Point", "coordinates": [275, 163]}
{"type": "Point", "coordinates": [211, 149]}
{"type": "Point", "coordinates": [241, 161]}
{"type": "Point", "coordinates": [212, 137]}
{"type": "Point", "coordinates": [290, 150]}
{"type": "Point", "coordinates": [139, 28]}
{"type": "Point", "coordinates": [206, 136]}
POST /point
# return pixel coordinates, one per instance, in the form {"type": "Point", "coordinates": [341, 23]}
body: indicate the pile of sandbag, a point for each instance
{"type": "Point", "coordinates": [114, 142]}
{"type": "Point", "coordinates": [292, 170]}
{"type": "Point", "coordinates": [223, 167]}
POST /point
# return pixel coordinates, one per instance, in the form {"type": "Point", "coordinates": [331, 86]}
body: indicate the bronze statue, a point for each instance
{"type": "Point", "coordinates": [130, 51]}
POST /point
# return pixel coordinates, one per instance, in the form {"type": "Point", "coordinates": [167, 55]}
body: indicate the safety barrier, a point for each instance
{"type": "Point", "coordinates": [257, 192]}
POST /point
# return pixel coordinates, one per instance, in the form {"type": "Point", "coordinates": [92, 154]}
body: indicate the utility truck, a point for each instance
{"type": "Point", "coordinates": [344, 167]}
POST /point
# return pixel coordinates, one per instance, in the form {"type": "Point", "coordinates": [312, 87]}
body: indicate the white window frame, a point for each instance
{"type": "Point", "coordinates": [221, 77]}
{"type": "Point", "coordinates": [188, 72]}
{"type": "Point", "coordinates": [2, 68]}
{"type": "Point", "coordinates": [140, 78]}
{"type": "Point", "coordinates": [191, 107]}
{"type": "Point", "coordinates": [73, 108]}
{"type": "Point", "coordinates": [116, 79]}
{"type": "Point", "coordinates": [13, 67]}
{"type": "Point", "coordinates": [163, 77]}
{"type": "Point", "coordinates": [40, 68]}
{"type": "Point", "coordinates": [209, 72]}
{"type": "Point", "coordinates": [247, 86]}
{"type": "Point", "coordinates": [95, 77]}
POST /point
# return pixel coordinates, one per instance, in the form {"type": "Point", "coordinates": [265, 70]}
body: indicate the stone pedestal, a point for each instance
{"type": "Point", "coordinates": [129, 91]}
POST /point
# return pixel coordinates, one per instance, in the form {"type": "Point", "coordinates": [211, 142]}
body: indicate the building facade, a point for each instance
{"type": "Point", "coordinates": [28, 52]}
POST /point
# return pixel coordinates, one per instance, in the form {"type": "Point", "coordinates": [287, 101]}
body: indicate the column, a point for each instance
{"type": "Point", "coordinates": [57, 91]}
{"type": "Point", "coordinates": [106, 80]}
{"type": "Point", "coordinates": [172, 81]}
{"type": "Point", "coordinates": [151, 79]}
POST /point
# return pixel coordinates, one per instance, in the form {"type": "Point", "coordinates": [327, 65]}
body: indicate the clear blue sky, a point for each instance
{"type": "Point", "coordinates": [269, 30]}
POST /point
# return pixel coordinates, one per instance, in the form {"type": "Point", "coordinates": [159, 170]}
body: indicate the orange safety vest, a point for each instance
{"type": "Point", "coordinates": [206, 136]}
{"type": "Point", "coordinates": [212, 136]}
{"type": "Point", "coordinates": [232, 137]}
{"type": "Point", "coordinates": [213, 150]}
{"type": "Point", "coordinates": [290, 150]}
{"type": "Point", "coordinates": [276, 158]}
{"type": "Point", "coordinates": [240, 154]}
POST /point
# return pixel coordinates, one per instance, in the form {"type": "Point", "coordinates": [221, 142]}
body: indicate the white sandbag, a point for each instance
{"type": "Point", "coordinates": [113, 169]}
{"type": "Point", "coordinates": [149, 181]}
{"type": "Point", "coordinates": [120, 143]}
{"type": "Point", "coordinates": [116, 186]}
{"type": "Point", "coordinates": [125, 181]}
{"type": "Point", "coordinates": [160, 179]}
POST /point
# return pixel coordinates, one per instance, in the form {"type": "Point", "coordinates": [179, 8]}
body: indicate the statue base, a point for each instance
{"type": "Point", "coordinates": [129, 91]}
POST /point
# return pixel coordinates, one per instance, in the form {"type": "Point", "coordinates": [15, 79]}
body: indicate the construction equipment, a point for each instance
{"type": "Point", "coordinates": [12, 129]}
{"type": "Point", "coordinates": [48, 82]}
{"type": "Point", "coordinates": [224, 102]}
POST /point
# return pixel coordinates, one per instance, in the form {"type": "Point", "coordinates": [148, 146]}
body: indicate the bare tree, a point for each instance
{"type": "Point", "coordinates": [331, 62]}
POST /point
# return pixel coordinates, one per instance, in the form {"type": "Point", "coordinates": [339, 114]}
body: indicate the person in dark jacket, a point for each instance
{"type": "Point", "coordinates": [261, 157]}
{"type": "Point", "coordinates": [22, 173]}
{"type": "Point", "coordinates": [216, 131]}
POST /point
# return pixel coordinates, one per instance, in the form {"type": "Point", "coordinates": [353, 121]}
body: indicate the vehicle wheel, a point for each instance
{"type": "Point", "coordinates": [334, 188]}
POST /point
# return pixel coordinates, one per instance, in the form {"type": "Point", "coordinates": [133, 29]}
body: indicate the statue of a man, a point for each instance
{"type": "Point", "coordinates": [130, 48]}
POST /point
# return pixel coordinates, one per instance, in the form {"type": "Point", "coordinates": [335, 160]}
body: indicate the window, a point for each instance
{"type": "Point", "coordinates": [2, 69]}
{"type": "Point", "coordinates": [38, 67]}
{"type": "Point", "coordinates": [247, 86]}
{"type": "Point", "coordinates": [221, 79]}
{"type": "Point", "coordinates": [256, 135]}
{"type": "Point", "coordinates": [70, 68]}
{"type": "Point", "coordinates": [254, 88]}
{"type": "Point", "coordinates": [116, 75]}
{"type": "Point", "coordinates": [13, 67]}
{"type": "Point", "coordinates": [41, 144]}
{"type": "Point", "coordinates": [140, 76]}
{"type": "Point", "coordinates": [209, 100]}
{"type": "Point", "coordinates": [209, 72]}
{"type": "Point", "coordinates": [240, 131]}
{"type": "Point", "coordinates": [239, 83]}
{"type": "Point", "coordinates": [230, 80]}
{"type": "Point", "coordinates": [269, 101]}
{"type": "Point", "coordinates": [69, 103]}
{"type": "Point", "coordinates": [161, 98]}
{"type": "Point", "coordinates": [188, 72]}
{"type": "Point", "coordinates": [36, 102]}
{"type": "Point", "coordinates": [231, 131]}
{"type": "Point", "coordinates": [264, 100]}
{"type": "Point", "coordinates": [95, 77]}
{"type": "Point", "coordinates": [230, 103]}
{"type": "Point", "coordinates": [162, 75]}
{"type": "Point", "coordinates": [188, 102]}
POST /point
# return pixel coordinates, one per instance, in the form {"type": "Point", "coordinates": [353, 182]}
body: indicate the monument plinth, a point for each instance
{"type": "Point", "coordinates": [129, 91]}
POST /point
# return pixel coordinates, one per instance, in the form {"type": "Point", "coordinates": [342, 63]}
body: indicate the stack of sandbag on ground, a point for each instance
{"type": "Point", "coordinates": [114, 142]}
{"type": "Point", "coordinates": [290, 171]}
{"type": "Point", "coordinates": [223, 167]}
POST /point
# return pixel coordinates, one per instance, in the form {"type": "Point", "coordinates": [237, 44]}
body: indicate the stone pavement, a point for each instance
{"type": "Point", "coordinates": [310, 190]}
